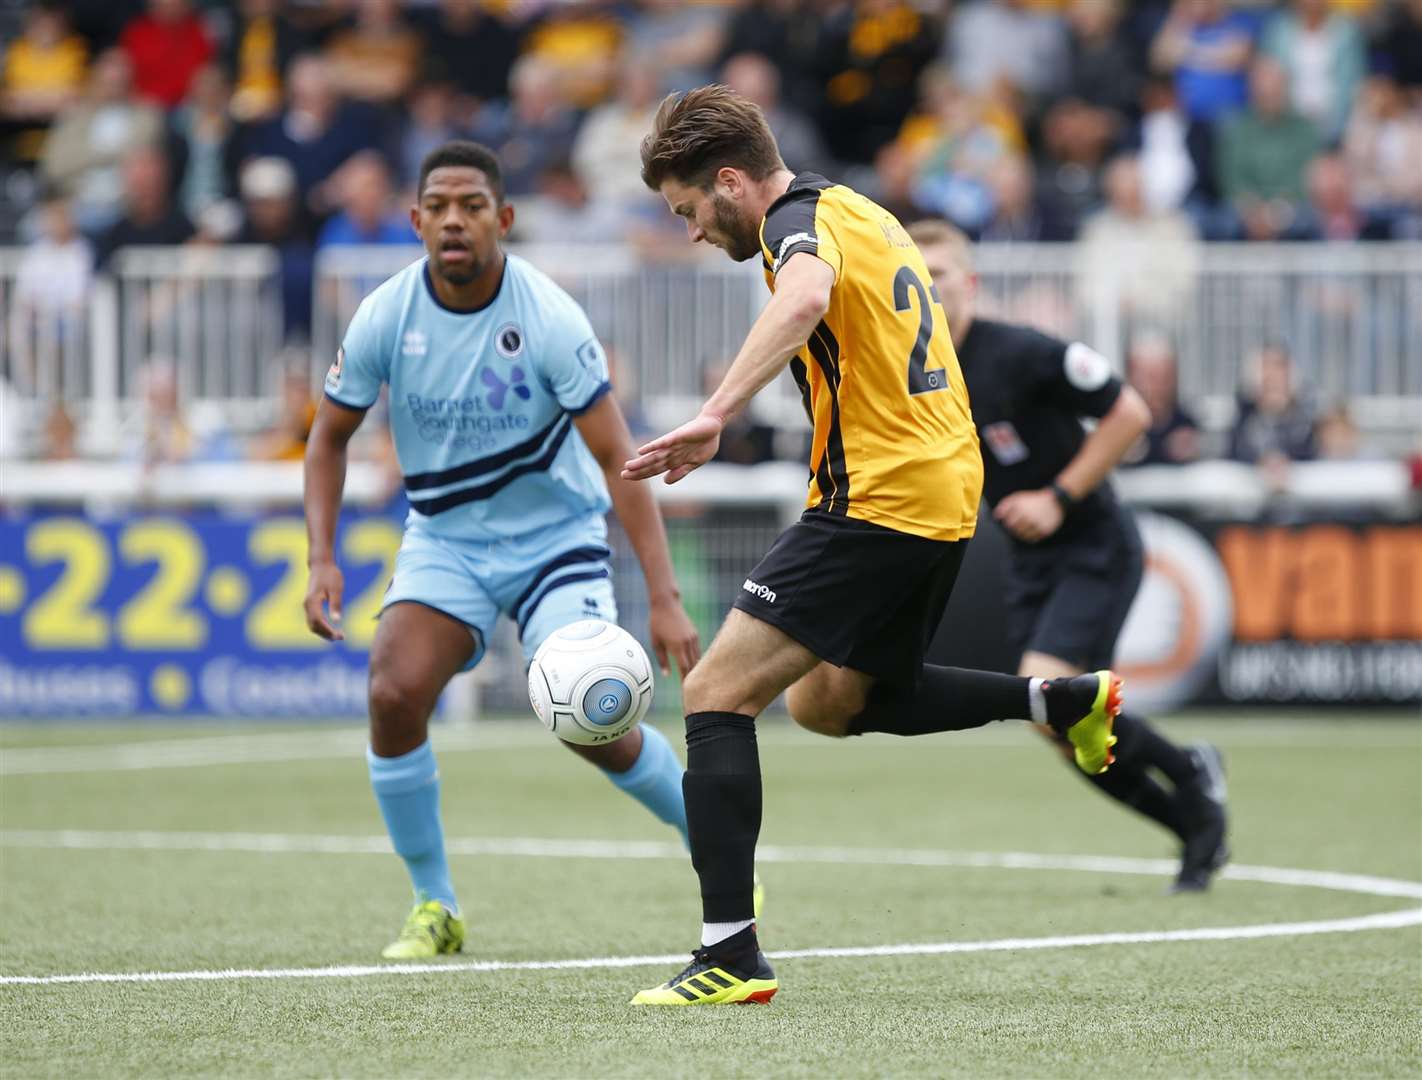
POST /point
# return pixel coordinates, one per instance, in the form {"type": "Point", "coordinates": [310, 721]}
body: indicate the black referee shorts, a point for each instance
{"type": "Point", "coordinates": [1069, 599]}
{"type": "Point", "coordinates": [854, 593]}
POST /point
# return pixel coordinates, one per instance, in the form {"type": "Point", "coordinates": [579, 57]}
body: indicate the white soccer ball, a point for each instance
{"type": "Point", "coordinates": [590, 682]}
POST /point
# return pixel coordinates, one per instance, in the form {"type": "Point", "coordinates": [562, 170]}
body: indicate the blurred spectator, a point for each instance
{"type": "Point", "coordinates": [1274, 421]}
{"type": "Point", "coordinates": [272, 215]}
{"type": "Point", "coordinates": [1147, 260]}
{"type": "Point", "coordinates": [43, 74]}
{"type": "Point", "coordinates": [157, 433]}
{"type": "Point", "coordinates": [535, 129]}
{"type": "Point", "coordinates": [474, 48]}
{"type": "Point", "coordinates": [1173, 437]}
{"type": "Point", "coordinates": [264, 42]}
{"type": "Point", "coordinates": [205, 130]}
{"type": "Point", "coordinates": [56, 270]}
{"type": "Point", "coordinates": [1012, 40]}
{"type": "Point", "coordinates": [1263, 154]}
{"type": "Point", "coordinates": [59, 437]}
{"type": "Point", "coordinates": [102, 22]}
{"type": "Point", "coordinates": [1400, 43]}
{"type": "Point", "coordinates": [685, 38]}
{"type": "Point", "coordinates": [1207, 46]}
{"type": "Point", "coordinates": [367, 214]}
{"type": "Point", "coordinates": [870, 55]}
{"type": "Point", "coordinates": [431, 121]}
{"type": "Point", "coordinates": [624, 386]}
{"type": "Point", "coordinates": [52, 282]}
{"type": "Point", "coordinates": [286, 439]}
{"type": "Point", "coordinates": [576, 44]}
{"type": "Point", "coordinates": [1016, 216]}
{"type": "Point", "coordinates": [1175, 153]}
{"type": "Point", "coordinates": [744, 439]}
{"type": "Point", "coordinates": [1331, 213]}
{"type": "Point", "coordinates": [1104, 75]}
{"type": "Point", "coordinates": [149, 217]}
{"type": "Point", "coordinates": [1338, 439]}
{"type": "Point", "coordinates": [167, 45]}
{"type": "Point", "coordinates": [564, 213]}
{"type": "Point", "coordinates": [317, 132]}
{"type": "Point", "coordinates": [942, 161]}
{"type": "Point", "coordinates": [1383, 145]}
{"type": "Point", "coordinates": [757, 79]}
{"type": "Point", "coordinates": [1074, 146]}
{"type": "Point", "coordinates": [85, 147]}
{"type": "Point", "coordinates": [1323, 53]}
{"type": "Point", "coordinates": [785, 32]}
{"type": "Point", "coordinates": [607, 149]}
{"type": "Point", "coordinates": [377, 58]}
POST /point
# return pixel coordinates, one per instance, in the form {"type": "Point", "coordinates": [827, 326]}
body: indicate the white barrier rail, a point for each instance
{"type": "Point", "coordinates": [1351, 314]}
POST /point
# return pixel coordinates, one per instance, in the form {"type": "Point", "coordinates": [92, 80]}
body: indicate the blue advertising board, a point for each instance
{"type": "Point", "coordinates": [181, 614]}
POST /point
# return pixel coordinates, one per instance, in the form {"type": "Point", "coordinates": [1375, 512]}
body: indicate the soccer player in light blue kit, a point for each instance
{"type": "Point", "coordinates": [511, 449]}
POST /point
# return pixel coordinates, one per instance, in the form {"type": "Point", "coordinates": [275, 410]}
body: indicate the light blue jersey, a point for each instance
{"type": "Point", "coordinates": [481, 402]}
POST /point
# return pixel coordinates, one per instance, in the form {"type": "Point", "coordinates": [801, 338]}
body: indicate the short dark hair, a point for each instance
{"type": "Point", "coordinates": [461, 153]}
{"type": "Point", "coordinates": [703, 130]}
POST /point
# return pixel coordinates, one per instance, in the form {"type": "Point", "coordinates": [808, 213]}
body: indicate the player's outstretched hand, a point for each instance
{"type": "Point", "coordinates": [677, 452]}
{"type": "Point", "coordinates": [1030, 516]}
{"type": "Point", "coordinates": [325, 589]}
{"type": "Point", "coordinates": [674, 637]}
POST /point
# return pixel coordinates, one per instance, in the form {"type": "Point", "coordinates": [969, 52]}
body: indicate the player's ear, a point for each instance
{"type": "Point", "coordinates": [732, 180]}
{"type": "Point", "coordinates": [506, 219]}
{"type": "Point", "coordinates": [415, 221]}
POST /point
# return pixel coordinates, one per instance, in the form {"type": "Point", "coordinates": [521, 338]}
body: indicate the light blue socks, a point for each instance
{"type": "Point", "coordinates": [655, 780]}
{"type": "Point", "coordinates": [407, 789]}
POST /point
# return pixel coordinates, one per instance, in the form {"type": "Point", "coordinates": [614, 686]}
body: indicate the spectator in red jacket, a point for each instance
{"type": "Point", "coordinates": [168, 46]}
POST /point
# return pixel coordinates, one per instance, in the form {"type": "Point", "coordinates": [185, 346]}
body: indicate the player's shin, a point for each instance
{"type": "Point", "coordinates": [655, 780]}
{"type": "Point", "coordinates": [723, 809]}
{"type": "Point", "coordinates": [947, 699]}
{"type": "Point", "coordinates": [407, 789]}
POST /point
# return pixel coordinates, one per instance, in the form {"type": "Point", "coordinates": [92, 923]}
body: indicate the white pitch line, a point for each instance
{"type": "Point", "coordinates": [307, 745]}
{"type": "Point", "coordinates": [533, 847]}
{"type": "Point", "coordinates": [1386, 921]}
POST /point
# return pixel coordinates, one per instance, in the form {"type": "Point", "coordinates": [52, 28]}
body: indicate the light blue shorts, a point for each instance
{"type": "Point", "coordinates": [541, 580]}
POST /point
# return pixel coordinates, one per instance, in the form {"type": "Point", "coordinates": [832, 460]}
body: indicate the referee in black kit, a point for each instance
{"type": "Point", "coordinates": [1075, 557]}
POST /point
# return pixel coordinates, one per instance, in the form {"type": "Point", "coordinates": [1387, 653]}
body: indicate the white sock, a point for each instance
{"type": "Point", "coordinates": [712, 932]}
{"type": "Point", "coordinates": [1037, 701]}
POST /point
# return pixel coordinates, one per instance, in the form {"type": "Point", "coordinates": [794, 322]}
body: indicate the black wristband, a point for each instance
{"type": "Point", "coordinates": [1064, 499]}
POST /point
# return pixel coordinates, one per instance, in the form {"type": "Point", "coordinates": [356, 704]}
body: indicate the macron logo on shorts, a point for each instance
{"type": "Point", "coordinates": [757, 589]}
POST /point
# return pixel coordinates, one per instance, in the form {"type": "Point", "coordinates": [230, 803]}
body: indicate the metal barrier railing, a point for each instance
{"type": "Point", "coordinates": [1351, 315]}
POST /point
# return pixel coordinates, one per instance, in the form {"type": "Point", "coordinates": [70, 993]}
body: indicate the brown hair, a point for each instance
{"type": "Point", "coordinates": [703, 130]}
{"type": "Point", "coordinates": [937, 231]}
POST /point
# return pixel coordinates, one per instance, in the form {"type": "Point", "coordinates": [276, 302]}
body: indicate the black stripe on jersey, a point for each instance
{"type": "Point", "coordinates": [835, 495]}
{"type": "Point", "coordinates": [593, 553]}
{"type": "Point", "coordinates": [458, 498]}
{"type": "Point", "coordinates": [789, 224]}
{"type": "Point", "coordinates": [480, 466]}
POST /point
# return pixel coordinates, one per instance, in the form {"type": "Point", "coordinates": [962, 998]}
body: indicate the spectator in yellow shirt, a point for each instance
{"type": "Point", "coordinates": [43, 72]}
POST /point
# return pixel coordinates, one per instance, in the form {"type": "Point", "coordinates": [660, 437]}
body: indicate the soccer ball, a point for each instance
{"type": "Point", "coordinates": [590, 682]}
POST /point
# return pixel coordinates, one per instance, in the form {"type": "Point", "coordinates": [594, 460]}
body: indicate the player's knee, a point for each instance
{"type": "Point", "coordinates": [814, 712]}
{"type": "Point", "coordinates": [395, 706]}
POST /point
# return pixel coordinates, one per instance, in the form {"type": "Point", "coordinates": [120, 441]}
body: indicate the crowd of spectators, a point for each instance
{"type": "Point", "coordinates": [1136, 129]}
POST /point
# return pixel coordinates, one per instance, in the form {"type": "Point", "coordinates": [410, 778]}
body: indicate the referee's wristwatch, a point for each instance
{"type": "Point", "coordinates": [1064, 498]}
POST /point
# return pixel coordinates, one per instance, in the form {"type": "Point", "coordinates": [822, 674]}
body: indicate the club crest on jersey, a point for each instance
{"type": "Point", "coordinates": [1004, 442]}
{"type": "Point", "coordinates": [509, 341]}
{"type": "Point", "coordinates": [333, 374]}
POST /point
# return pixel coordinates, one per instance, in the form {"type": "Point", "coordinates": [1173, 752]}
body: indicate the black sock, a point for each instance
{"type": "Point", "coordinates": [947, 699]}
{"type": "Point", "coordinates": [1140, 745]}
{"type": "Point", "coordinates": [723, 799]}
{"type": "Point", "coordinates": [1131, 785]}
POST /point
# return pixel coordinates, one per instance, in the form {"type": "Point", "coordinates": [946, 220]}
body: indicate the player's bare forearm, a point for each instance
{"type": "Point", "coordinates": [325, 477]}
{"type": "Point", "coordinates": [802, 296]}
{"type": "Point", "coordinates": [604, 429]}
{"type": "Point", "coordinates": [1103, 449]}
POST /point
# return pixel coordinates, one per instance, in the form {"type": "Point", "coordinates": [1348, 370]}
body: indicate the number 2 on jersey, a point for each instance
{"type": "Point", "coordinates": [920, 381]}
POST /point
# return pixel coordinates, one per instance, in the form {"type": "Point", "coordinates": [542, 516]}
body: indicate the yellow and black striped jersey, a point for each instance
{"type": "Point", "coordinates": [894, 442]}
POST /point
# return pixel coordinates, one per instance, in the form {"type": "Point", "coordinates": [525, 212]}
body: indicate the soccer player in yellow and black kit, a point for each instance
{"type": "Point", "coordinates": [840, 611]}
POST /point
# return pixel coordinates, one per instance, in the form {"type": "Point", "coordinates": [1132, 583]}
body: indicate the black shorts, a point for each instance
{"type": "Point", "coordinates": [855, 594]}
{"type": "Point", "coordinates": [1070, 599]}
